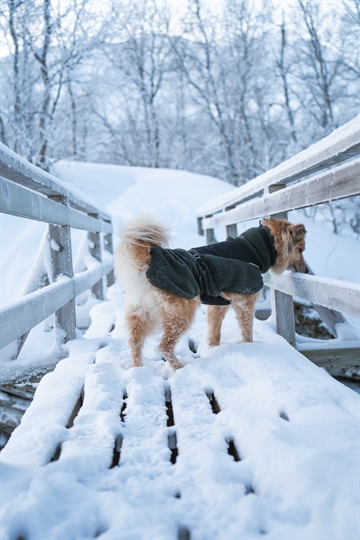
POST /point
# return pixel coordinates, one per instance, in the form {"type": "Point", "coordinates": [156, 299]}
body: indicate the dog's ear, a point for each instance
{"type": "Point", "coordinates": [297, 232]}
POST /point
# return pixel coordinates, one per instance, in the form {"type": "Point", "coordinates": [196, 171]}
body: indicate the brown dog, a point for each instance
{"type": "Point", "coordinates": [149, 306]}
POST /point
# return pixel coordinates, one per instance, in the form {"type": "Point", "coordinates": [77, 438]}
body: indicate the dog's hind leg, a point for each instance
{"type": "Point", "coordinates": [176, 319]}
{"type": "Point", "coordinates": [140, 326]}
{"type": "Point", "coordinates": [244, 306]}
{"type": "Point", "coordinates": [215, 317]}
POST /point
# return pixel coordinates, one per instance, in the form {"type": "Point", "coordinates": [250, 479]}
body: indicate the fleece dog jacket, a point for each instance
{"type": "Point", "coordinates": [233, 266]}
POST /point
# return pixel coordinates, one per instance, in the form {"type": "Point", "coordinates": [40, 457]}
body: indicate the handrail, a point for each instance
{"type": "Point", "coordinates": [29, 192]}
{"type": "Point", "coordinates": [326, 171]}
{"type": "Point", "coordinates": [341, 145]}
{"type": "Point", "coordinates": [13, 167]}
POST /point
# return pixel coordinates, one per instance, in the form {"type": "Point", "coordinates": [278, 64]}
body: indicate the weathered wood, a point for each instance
{"type": "Point", "coordinates": [282, 304]}
{"type": "Point", "coordinates": [22, 315]}
{"type": "Point", "coordinates": [338, 183]}
{"type": "Point", "coordinates": [231, 230]}
{"type": "Point", "coordinates": [333, 294]}
{"type": "Point", "coordinates": [108, 246]}
{"type": "Point", "coordinates": [20, 201]}
{"type": "Point", "coordinates": [335, 357]}
{"type": "Point", "coordinates": [341, 145]}
{"type": "Point", "coordinates": [210, 236]}
{"type": "Point", "coordinates": [95, 250]}
{"type": "Point", "coordinates": [20, 171]}
{"type": "Point", "coordinates": [85, 280]}
{"type": "Point", "coordinates": [330, 317]}
{"type": "Point", "coordinates": [200, 229]}
{"type": "Point", "coordinates": [61, 262]}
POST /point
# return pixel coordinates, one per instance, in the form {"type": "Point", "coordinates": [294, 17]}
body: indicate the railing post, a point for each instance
{"type": "Point", "coordinates": [210, 235]}
{"type": "Point", "coordinates": [61, 262]}
{"type": "Point", "coordinates": [282, 305]}
{"type": "Point", "coordinates": [108, 246]}
{"type": "Point", "coordinates": [95, 251]}
{"type": "Point", "coordinates": [200, 227]}
{"type": "Point", "coordinates": [231, 230]}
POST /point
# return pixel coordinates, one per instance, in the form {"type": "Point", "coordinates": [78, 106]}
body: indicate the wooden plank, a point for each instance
{"type": "Point", "coordinates": [210, 236]}
{"type": "Point", "coordinates": [231, 230]}
{"type": "Point", "coordinates": [329, 316]}
{"type": "Point", "coordinates": [333, 294]}
{"type": "Point", "coordinates": [20, 171]}
{"type": "Point", "coordinates": [22, 315]}
{"type": "Point", "coordinates": [339, 183]}
{"type": "Point", "coordinates": [335, 357]}
{"type": "Point", "coordinates": [85, 280]}
{"type": "Point", "coordinates": [108, 246]}
{"type": "Point", "coordinates": [95, 250]}
{"type": "Point", "coordinates": [342, 144]}
{"type": "Point", "coordinates": [20, 201]}
{"type": "Point", "coordinates": [282, 304]}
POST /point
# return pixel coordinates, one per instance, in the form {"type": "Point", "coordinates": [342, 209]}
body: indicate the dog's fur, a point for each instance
{"type": "Point", "coordinates": [149, 307]}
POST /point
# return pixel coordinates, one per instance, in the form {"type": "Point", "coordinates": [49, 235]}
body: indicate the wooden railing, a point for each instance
{"type": "Point", "coordinates": [327, 171]}
{"type": "Point", "coordinates": [29, 192]}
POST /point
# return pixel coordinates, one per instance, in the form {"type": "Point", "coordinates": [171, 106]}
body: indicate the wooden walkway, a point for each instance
{"type": "Point", "coordinates": [247, 441]}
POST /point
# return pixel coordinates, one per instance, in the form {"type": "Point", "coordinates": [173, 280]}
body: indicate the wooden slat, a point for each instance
{"type": "Point", "coordinates": [336, 357]}
{"type": "Point", "coordinates": [333, 294]}
{"type": "Point", "coordinates": [19, 317]}
{"type": "Point", "coordinates": [332, 185]}
{"type": "Point", "coordinates": [342, 144]}
{"type": "Point", "coordinates": [17, 169]}
{"type": "Point", "coordinates": [20, 201]}
{"type": "Point", "coordinates": [94, 241]}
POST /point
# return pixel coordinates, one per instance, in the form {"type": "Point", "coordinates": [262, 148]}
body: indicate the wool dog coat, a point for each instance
{"type": "Point", "coordinates": [233, 266]}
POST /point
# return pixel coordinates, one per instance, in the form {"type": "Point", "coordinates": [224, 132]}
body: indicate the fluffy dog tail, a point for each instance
{"type": "Point", "coordinates": [145, 230]}
{"type": "Point", "coordinates": [137, 237]}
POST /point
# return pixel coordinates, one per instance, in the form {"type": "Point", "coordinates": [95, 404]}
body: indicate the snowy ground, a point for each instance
{"type": "Point", "coordinates": [295, 429]}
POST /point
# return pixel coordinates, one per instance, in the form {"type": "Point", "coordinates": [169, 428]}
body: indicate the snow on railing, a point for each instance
{"type": "Point", "coordinates": [326, 171]}
{"type": "Point", "coordinates": [29, 192]}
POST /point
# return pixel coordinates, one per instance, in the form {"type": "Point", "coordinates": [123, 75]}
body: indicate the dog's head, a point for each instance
{"type": "Point", "coordinates": [289, 243]}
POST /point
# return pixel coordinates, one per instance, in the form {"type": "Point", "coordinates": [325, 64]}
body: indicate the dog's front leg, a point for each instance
{"type": "Point", "coordinates": [215, 317]}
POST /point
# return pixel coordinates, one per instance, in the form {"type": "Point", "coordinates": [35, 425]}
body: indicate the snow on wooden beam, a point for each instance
{"type": "Point", "coordinates": [20, 201]}
{"type": "Point", "coordinates": [21, 316]}
{"type": "Point", "coordinates": [18, 170]}
{"type": "Point", "coordinates": [338, 183]}
{"type": "Point", "coordinates": [341, 145]}
{"type": "Point", "coordinates": [331, 293]}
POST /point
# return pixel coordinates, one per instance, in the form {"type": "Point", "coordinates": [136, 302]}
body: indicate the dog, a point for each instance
{"type": "Point", "coordinates": [152, 300]}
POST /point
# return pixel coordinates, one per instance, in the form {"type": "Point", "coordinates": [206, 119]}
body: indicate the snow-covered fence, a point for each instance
{"type": "Point", "coordinates": [29, 192]}
{"type": "Point", "coordinates": [327, 171]}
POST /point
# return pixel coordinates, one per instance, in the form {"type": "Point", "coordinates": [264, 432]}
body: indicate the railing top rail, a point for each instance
{"type": "Point", "coordinates": [342, 144]}
{"type": "Point", "coordinates": [18, 170]}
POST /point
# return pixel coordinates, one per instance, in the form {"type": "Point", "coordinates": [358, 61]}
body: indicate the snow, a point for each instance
{"type": "Point", "coordinates": [295, 428]}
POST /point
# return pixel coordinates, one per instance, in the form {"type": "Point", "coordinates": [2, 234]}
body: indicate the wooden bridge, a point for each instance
{"type": "Point", "coordinates": [247, 441]}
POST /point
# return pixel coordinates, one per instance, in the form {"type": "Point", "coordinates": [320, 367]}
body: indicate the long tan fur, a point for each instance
{"type": "Point", "coordinates": [148, 307]}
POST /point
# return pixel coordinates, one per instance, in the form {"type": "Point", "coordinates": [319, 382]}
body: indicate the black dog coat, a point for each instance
{"type": "Point", "coordinates": [233, 266]}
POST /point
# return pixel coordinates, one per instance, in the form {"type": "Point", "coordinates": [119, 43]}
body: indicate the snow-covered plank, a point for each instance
{"type": "Point", "coordinates": [15, 168]}
{"type": "Point", "coordinates": [330, 356]}
{"type": "Point", "coordinates": [18, 318]}
{"type": "Point", "coordinates": [338, 183]}
{"type": "Point", "coordinates": [253, 441]}
{"type": "Point", "coordinates": [20, 201]}
{"type": "Point", "coordinates": [331, 293]}
{"type": "Point", "coordinates": [43, 427]}
{"type": "Point", "coordinates": [342, 144]}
